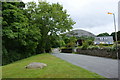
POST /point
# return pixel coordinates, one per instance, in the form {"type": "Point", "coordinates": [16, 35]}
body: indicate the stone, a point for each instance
{"type": "Point", "coordinates": [35, 65]}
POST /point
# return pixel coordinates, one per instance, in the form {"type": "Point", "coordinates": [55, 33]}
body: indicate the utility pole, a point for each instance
{"type": "Point", "coordinates": [116, 42]}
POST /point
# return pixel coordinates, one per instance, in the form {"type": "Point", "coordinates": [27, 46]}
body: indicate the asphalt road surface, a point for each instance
{"type": "Point", "coordinates": [102, 66]}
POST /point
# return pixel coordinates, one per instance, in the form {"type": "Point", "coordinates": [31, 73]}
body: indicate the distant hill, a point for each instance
{"type": "Point", "coordinates": [79, 33]}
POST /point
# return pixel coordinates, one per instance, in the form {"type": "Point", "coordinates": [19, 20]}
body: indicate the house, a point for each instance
{"type": "Point", "coordinates": [104, 40]}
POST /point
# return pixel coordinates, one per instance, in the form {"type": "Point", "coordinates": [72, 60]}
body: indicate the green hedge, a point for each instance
{"type": "Point", "coordinates": [9, 56]}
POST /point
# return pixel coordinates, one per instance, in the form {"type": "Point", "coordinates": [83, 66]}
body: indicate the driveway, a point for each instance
{"type": "Point", "coordinates": [102, 66]}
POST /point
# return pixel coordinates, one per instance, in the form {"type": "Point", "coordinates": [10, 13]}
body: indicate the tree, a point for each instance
{"type": "Point", "coordinates": [118, 35]}
{"type": "Point", "coordinates": [51, 20]}
{"type": "Point", "coordinates": [16, 26]}
{"type": "Point", "coordinates": [103, 34]}
{"type": "Point", "coordinates": [31, 30]}
{"type": "Point", "coordinates": [20, 39]}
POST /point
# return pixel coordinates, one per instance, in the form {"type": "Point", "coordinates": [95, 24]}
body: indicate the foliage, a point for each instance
{"type": "Point", "coordinates": [119, 46]}
{"type": "Point", "coordinates": [101, 46]}
{"type": "Point", "coordinates": [66, 40]}
{"type": "Point", "coordinates": [94, 47]}
{"type": "Point", "coordinates": [71, 44]}
{"type": "Point", "coordinates": [118, 36]}
{"type": "Point", "coordinates": [32, 30]}
{"type": "Point", "coordinates": [18, 36]}
{"type": "Point", "coordinates": [90, 42]}
{"type": "Point", "coordinates": [51, 20]}
{"type": "Point", "coordinates": [103, 34]}
{"type": "Point", "coordinates": [73, 39]}
{"type": "Point", "coordinates": [57, 42]}
{"type": "Point", "coordinates": [85, 45]}
{"type": "Point", "coordinates": [114, 47]}
{"type": "Point", "coordinates": [113, 34]}
{"type": "Point", "coordinates": [61, 43]}
{"type": "Point", "coordinates": [69, 41]}
{"type": "Point", "coordinates": [118, 42]}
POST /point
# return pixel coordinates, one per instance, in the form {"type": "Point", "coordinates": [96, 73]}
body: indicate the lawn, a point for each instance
{"type": "Point", "coordinates": [56, 68]}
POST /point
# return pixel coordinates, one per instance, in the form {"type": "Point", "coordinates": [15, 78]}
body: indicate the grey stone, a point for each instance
{"type": "Point", "coordinates": [35, 65]}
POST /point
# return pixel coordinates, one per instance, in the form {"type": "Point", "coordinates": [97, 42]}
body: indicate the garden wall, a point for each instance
{"type": "Point", "coordinates": [98, 52]}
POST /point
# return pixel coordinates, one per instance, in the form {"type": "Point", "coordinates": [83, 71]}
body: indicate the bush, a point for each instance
{"type": "Point", "coordinates": [114, 47]}
{"type": "Point", "coordinates": [118, 46]}
{"type": "Point", "coordinates": [93, 47]}
{"type": "Point", "coordinates": [79, 47]}
{"type": "Point", "coordinates": [71, 44]}
{"type": "Point", "coordinates": [66, 48]}
{"type": "Point", "coordinates": [90, 42]}
{"type": "Point", "coordinates": [118, 42]}
{"type": "Point", "coordinates": [9, 57]}
{"type": "Point", "coordinates": [85, 45]}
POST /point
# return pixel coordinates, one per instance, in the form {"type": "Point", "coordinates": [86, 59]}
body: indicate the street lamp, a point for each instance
{"type": "Point", "coordinates": [115, 32]}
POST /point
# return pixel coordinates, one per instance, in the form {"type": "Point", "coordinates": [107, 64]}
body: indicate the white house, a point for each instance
{"type": "Point", "coordinates": [104, 40]}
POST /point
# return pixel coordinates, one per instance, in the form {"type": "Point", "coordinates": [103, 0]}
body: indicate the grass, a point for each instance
{"type": "Point", "coordinates": [56, 68]}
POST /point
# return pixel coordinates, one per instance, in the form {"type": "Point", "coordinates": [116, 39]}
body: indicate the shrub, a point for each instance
{"type": "Point", "coordinates": [114, 46]}
{"type": "Point", "coordinates": [66, 48]}
{"type": "Point", "coordinates": [85, 45]}
{"type": "Point", "coordinates": [79, 47]}
{"type": "Point", "coordinates": [71, 44]}
{"type": "Point", "coordinates": [93, 47]}
{"type": "Point", "coordinates": [118, 46]}
{"type": "Point", "coordinates": [90, 42]}
{"type": "Point", "coordinates": [118, 42]}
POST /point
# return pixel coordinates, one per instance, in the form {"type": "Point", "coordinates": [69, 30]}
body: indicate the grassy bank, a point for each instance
{"type": "Point", "coordinates": [56, 68]}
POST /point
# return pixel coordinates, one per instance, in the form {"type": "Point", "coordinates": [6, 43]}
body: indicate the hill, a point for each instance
{"type": "Point", "coordinates": [79, 33]}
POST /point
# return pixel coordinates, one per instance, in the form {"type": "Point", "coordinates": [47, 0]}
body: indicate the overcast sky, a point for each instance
{"type": "Point", "coordinates": [90, 15]}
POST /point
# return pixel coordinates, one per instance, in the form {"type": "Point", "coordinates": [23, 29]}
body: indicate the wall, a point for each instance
{"type": "Point", "coordinates": [98, 52]}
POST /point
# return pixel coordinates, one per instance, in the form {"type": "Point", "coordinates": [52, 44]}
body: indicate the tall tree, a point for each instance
{"type": "Point", "coordinates": [51, 20]}
{"type": "Point", "coordinates": [103, 34]}
{"type": "Point", "coordinates": [19, 38]}
{"type": "Point", "coordinates": [118, 35]}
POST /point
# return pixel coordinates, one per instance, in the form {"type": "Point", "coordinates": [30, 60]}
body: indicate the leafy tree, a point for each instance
{"type": "Point", "coordinates": [118, 35]}
{"type": "Point", "coordinates": [103, 34]}
{"type": "Point", "coordinates": [19, 38]}
{"type": "Point", "coordinates": [51, 20]}
{"type": "Point", "coordinates": [65, 38]}
{"type": "Point", "coordinates": [85, 45]}
{"type": "Point", "coordinates": [113, 34]}
{"type": "Point", "coordinates": [31, 30]}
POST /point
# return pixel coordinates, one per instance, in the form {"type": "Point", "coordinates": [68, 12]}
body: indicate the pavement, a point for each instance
{"type": "Point", "coordinates": [102, 66]}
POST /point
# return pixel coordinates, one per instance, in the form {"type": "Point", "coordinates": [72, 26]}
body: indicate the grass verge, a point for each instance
{"type": "Point", "coordinates": [56, 68]}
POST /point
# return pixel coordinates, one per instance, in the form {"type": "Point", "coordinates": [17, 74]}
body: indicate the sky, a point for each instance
{"type": "Point", "coordinates": [90, 15]}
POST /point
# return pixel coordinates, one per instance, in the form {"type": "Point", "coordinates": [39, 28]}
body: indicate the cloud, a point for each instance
{"type": "Point", "coordinates": [100, 29]}
{"type": "Point", "coordinates": [91, 14]}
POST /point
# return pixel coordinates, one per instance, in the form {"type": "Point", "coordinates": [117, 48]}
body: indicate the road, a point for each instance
{"type": "Point", "coordinates": [102, 66]}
